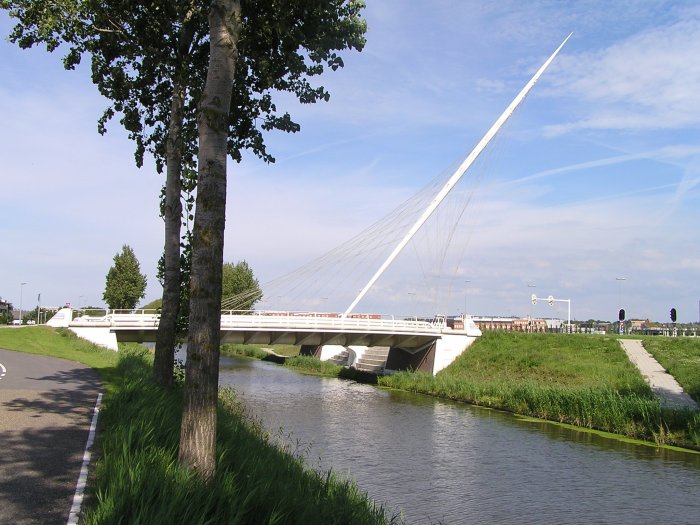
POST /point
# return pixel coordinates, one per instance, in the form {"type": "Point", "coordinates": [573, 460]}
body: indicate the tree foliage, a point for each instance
{"type": "Point", "coordinates": [125, 284]}
{"type": "Point", "coordinates": [138, 53]}
{"type": "Point", "coordinates": [148, 58]}
{"type": "Point", "coordinates": [239, 281]}
{"type": "Point", "coordinates": [150, 61]}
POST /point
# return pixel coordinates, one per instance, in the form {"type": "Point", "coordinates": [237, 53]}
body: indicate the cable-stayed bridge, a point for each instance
{"type": "Point", "coordinates": [412, 343]}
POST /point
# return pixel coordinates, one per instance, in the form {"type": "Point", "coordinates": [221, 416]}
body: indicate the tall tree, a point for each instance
{"type": "Point", "coordinates": [256, 46]}
{"type": "Point", "coordinates": [198, 429]}
{"type": "Point", "coordinates": [240, 289]}
{"type": "Point", "coordinates": [125, 284]}
{"type": "Point", "coordinates": [150, 59]}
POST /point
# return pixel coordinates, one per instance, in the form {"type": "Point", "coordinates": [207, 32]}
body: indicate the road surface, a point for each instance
{"type": "Point", "coordinates": [46, 407]}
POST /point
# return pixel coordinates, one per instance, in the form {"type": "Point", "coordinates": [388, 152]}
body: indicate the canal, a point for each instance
{"type": "Point", "coordinates": [443, 462]}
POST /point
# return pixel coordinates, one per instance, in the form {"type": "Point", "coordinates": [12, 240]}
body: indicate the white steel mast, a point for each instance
{"type": "Point", "coordinates": [456, 176]}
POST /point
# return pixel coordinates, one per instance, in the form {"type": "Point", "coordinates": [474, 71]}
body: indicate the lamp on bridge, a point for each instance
{"type": "Point", "coordinates": [466, 293]}
{"type": "Point", "coordinates": [413, 298]}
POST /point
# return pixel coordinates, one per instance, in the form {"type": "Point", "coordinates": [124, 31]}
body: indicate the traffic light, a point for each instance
{"type": "Point", "coordinates": [621, 314]}
{"type": "Point", "coordinates": [673, 315]}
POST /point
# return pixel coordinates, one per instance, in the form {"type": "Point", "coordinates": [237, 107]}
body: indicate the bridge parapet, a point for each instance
{"type": "Point", "coordinates": [323, 321]}
{"type": "Point", "coordinates": [115, 318]}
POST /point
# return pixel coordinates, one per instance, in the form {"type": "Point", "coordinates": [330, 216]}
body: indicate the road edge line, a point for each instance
{"type": "Point", "coordinates": [73, 516]}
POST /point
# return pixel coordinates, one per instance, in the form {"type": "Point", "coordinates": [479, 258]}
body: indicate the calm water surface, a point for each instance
{"type": "Point", "coordinates": [438, 461]}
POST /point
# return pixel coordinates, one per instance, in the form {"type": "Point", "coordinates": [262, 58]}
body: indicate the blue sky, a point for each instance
{"type": "Point", "coordinates": [595, 178]}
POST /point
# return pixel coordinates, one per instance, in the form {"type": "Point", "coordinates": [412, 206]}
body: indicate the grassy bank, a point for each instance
{"type": "Point", "coordinates": [313, 365]}
{"type": "Point", "coordinates": [585, 381]}
{"type": "Point", "coordinates": [259, 351]}
{"type": "Point", "coordinates": [137, 479]}
{"type": "Point", "coordinates": [256, 482]}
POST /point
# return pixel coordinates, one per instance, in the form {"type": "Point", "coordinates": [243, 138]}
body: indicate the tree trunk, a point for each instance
{"type": "Point", "coordinates": [198, 430]}
{"type": "Point", "coordinates": [172, 215]}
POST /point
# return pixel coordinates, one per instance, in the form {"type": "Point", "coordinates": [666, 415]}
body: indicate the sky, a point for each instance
{"type": "Point", "coordinates": [590, 193]}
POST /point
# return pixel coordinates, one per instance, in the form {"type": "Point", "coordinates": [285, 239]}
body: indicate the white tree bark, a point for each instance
{"type": "Point", "coordinates": [198, 430]}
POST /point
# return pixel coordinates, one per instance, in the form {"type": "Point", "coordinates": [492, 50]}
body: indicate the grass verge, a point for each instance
{"type": "Point", "coordinates": [138, 480]}
{"type": "Point", "coordinates": [581, 380]}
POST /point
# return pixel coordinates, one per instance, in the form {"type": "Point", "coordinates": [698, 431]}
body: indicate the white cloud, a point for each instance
{"type": "Point", "coordinates": [646, 81]}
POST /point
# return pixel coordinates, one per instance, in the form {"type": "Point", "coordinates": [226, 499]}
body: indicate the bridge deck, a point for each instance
{"type": "Point", "coordinates": [285, 328]}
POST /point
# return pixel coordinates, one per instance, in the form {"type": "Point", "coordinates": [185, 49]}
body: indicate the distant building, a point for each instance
{"type": "Point", "coordinates": [5, 310]}
{"type": "Point", "coordinates": [511, 324]}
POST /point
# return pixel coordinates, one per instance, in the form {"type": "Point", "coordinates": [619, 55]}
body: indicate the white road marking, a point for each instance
{"type": "Point", "coordinates": [73, 517]}
{"type": "Point", "coordinates": [3, 370]}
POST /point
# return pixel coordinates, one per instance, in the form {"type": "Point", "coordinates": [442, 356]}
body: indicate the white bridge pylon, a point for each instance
{"type": "Point", "coordinates": [457, 175]}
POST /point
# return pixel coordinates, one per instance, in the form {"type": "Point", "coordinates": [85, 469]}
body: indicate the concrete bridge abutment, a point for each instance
{"type": "Point", "coordinates": [430, 358]}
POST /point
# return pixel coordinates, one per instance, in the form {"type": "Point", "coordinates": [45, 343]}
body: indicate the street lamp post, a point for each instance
{"type": "Point", "coordinates": [21, 289]}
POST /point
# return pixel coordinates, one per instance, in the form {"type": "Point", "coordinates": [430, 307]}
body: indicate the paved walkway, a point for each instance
{"type": "Point", "coordinates": [662, 383]}
{"type": "Point", "coordinates": [45, 412]}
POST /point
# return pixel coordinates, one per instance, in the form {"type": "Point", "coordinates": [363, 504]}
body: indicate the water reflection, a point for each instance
{"type": "Point", "coordinates": [449, 462]}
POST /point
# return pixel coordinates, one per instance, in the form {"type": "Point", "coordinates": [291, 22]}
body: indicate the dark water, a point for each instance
{"type": "Point", "coordinates": [446, 462]}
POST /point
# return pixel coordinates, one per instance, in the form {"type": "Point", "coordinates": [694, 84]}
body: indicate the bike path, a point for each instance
{"type": "Point", "coordinates": [661, 382]}
{"type": "Point", "coordinates": [46, 407]}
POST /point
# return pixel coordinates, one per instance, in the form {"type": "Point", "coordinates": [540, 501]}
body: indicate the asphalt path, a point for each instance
{"type": "Point", "coordinates": [45, 412]}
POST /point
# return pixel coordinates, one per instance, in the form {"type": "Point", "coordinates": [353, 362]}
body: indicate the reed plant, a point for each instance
{"type": "Point", "coordinates": [138, 479]}
{"type": "Point", "coordinates": [582, 380]}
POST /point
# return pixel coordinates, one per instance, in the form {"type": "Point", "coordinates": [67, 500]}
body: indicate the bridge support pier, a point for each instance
{"type": "Point", "coordinates": [339, 354]}
{"type": "Point", "coordinates": [431, 358]}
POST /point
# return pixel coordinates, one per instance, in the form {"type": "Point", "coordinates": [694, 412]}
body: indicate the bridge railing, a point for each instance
{"type": "Point", "coordinates": [256, 319]}
{"type": "Point", "coordinates": [146, 318]}
{"type": "Point", "coordinates": [322, 320]}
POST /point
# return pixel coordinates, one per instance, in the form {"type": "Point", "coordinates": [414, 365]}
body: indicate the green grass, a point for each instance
{"type": "Point", "coordinates": [60, 343]}
{"type": "Point", "coordinates": [285, 350]}
{"type": "Point", "coordinates": [137, 478]}
{"type": "Point", "coordinates": [582, 380]}
{"type": "Point", "coordinates": [256, 482]}
{"type": "Point", "coordinates": [313, 365]}
{"type": "Point", "coordinates": [257, 352]}
{"type": "Point", "coordinates": [253, 351]}
{"type": "Point", "coordinates": [680, 356]}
